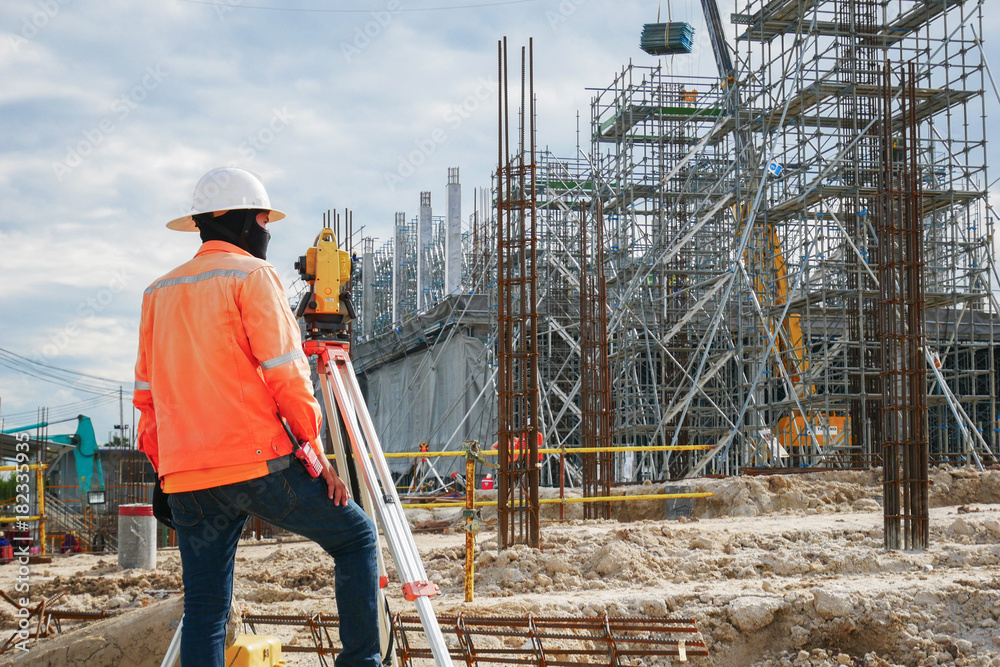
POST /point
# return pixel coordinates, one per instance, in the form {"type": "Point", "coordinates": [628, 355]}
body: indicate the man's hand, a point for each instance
{"type": "Point", "coordinates": [337, 489]}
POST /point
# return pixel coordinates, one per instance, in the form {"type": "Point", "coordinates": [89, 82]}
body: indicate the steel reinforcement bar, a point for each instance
{"type": "Point", "coordinates": [548, 641]}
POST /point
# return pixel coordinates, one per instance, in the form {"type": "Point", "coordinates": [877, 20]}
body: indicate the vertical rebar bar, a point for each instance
{"type": "Point", "coordinates": [517, 318]}
{"type": "Point", "coordinates": [598, 468]}
{"type": "Point", "coordinates": [901, 304]}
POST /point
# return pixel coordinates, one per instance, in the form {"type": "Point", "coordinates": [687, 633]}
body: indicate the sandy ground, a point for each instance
{"type": "Point", "coordinates": [777, 571]}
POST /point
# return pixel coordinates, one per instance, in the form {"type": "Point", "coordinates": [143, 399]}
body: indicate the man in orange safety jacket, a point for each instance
{"type": "Point", "coordinates": [220, 371]}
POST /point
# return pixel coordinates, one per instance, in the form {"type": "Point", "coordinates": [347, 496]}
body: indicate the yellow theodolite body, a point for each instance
{"type": "Point", "coordinates": [327, 268]}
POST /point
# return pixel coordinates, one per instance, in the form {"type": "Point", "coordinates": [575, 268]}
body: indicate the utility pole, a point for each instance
{"type": "Point", "coordinates": [121, 417]}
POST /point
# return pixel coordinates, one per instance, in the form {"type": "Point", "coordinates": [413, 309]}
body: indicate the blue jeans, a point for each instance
{"type": "Point", "coordinates": [209, 523]}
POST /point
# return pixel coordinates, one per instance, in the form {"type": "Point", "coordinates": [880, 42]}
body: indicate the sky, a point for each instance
{"type": "Point", "coordinates": [110, 112]}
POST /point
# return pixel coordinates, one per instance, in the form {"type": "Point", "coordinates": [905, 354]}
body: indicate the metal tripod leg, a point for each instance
{"type": "Point", "coordinates": [334, 420]}
{"type": "Point", "coordinates": [335, 365]}
{"type": "Point", "coordinates": [423, 469]}
{"type": "Point", "coordinates": [173, 654]}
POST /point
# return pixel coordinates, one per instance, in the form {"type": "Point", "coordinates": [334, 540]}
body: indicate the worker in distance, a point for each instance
{"type": "Point", "coordinates": [219, 379]}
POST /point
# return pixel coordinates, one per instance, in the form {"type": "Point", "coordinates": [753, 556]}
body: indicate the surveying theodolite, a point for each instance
{"type": "Point", "coordinates": [327, 310]}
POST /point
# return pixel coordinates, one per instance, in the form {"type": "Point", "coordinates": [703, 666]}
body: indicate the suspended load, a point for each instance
{"type": "Point", "coordinates": [664, 39]}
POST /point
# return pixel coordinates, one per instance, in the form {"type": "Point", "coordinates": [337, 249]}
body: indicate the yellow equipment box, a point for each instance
{"type": "Point", "coordinates": [255, 651]}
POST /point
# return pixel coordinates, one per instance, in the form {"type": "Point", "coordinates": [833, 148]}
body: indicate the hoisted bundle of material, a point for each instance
{"type": "Point", "coordinates": [663, 39]}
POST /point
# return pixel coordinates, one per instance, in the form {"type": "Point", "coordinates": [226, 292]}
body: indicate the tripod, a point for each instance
{"type": "Point", "coordinates": [424, 470]}
{"type": "Point", "coordinates": [345, 407]}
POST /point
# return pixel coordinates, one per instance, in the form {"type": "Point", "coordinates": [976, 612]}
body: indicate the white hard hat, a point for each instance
{"type": "Point", "coordinates": [225, 189]}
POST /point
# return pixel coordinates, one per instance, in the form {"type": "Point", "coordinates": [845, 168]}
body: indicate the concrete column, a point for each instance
{"type": "Point", "coordinates": [368, 292]}
{"type": "Point", "coordinates": [398, 262]}
{"type": "Point", "coordinates": [425, 236]}
{"type": "Point", "coordinates": [453, 236]}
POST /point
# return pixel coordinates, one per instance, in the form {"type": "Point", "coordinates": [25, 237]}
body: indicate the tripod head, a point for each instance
{"type": "Point", "coordinates": [327, 308]}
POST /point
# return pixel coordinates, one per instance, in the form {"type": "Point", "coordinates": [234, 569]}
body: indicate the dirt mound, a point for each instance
{"type": "Point", "coordinates": [964, 486]}
{"type": "Point", "coordinates": [841, 491]}
{"type": "Point", "coordinates": [105, 585]}
{"type": "Point", "coordinates": [777, 571]}
{"type": "Point", "coordinates": [834, 491]}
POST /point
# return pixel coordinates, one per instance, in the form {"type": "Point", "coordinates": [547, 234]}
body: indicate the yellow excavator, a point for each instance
{"type": "Point", "coordinates": [792, 431]}
{"type": "Point", "coordinates": [795, 431]}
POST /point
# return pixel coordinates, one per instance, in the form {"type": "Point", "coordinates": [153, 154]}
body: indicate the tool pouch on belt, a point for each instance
{"type": "Point", "coordinates": [161, 508]}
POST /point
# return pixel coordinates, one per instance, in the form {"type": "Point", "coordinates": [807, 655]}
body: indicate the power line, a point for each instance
{"type": "Point", "coordinates": [75, 406]}
{"type": "Point", "coordinates": [65, 410]}
{"type": "Point", "coordinates": [93, 384]}
{"type": "Point", "coordinates": [81, 386]}
{"type": "Point", "coordinates": [356, 11]}
{"type": "Point", "coordinates": [56, 368]}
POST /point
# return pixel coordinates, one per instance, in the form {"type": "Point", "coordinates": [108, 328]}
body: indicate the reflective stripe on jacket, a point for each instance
{"type": "Point", "coordinates": [220, 355]}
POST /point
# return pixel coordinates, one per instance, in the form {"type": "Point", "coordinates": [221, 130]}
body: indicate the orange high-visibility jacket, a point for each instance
{"type": "Point", "coordinates": [220, 355]}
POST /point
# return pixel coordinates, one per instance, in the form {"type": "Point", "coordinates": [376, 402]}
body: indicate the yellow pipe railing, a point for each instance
{"type": "Point", "coordinates": [556, 450]}
{"type": "Point", "coordinates": [552, 501]}
{"type": "Point", "coordinates": [40, 492]}
{"type": "Point", "coordinates": [33, 466]}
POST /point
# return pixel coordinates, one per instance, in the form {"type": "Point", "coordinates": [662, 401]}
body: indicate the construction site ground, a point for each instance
{"type": "Point", "coordinates": [776, 570]}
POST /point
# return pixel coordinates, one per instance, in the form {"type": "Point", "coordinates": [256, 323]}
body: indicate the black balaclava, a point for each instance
{"type": "Point", "coordinates": [239, 227]}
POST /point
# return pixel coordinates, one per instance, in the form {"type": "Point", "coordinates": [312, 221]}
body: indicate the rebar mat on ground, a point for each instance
{"type": "Point", "coordinates": [528, 640]}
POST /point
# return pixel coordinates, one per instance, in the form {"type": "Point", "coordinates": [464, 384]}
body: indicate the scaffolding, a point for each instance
{"type": "Point", "coordinates": [664, 160]}
{"type": "Point", "coordinates": [741, 220]}
{"type": "Point", "coordinates": [811, 83]}
{"type": "Point", "coordinates": [405, 276]}
{"type": "Point", "coordinates": [561, 187]}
